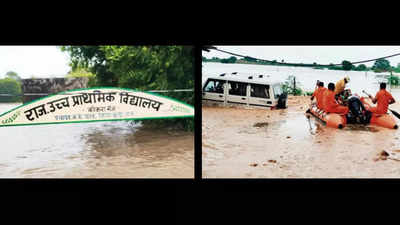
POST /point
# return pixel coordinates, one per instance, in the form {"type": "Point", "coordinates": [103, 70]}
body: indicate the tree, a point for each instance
{"type": "Point", "coordinates": [142, 68]}
{"type": "Point", "coordinates": [13, 75]}
{"type": "Point", "coordinates": [291, 86]}
{"type": "Point", "coordinates": [231, 59]}
{"type": "Point", "coordinates": [10, 86]}
{"type": "Point", "coordinates": [361, 67]}
{"type": "Point", "coordinates": [250, 59]}
{"type": "Point", "coordinates": [347, 65]}
{"type": "Point", "coordinates": [82, 72]}
{"type": "Point", "coordinates": [381, 65]}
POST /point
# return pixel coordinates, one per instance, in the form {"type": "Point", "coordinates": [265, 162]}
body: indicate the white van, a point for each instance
{"type": "Point", "coordinates": [245, 89]}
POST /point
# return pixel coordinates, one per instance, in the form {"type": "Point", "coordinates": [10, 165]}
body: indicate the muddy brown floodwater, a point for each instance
{"type": "Point", "coordinates": [94, 150]}
{"type": "Point", "coordinates": [264, 143]}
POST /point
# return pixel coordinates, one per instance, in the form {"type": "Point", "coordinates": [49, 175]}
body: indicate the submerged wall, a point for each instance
{"type": "Point", "coordinates": [50, 86]}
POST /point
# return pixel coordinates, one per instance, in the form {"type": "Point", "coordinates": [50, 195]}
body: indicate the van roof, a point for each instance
{"type": "Point", "coordinates": [254, 78]}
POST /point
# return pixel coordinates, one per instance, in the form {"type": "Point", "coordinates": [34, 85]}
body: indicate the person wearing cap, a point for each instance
{"type": "Point", "coordinates": [318, 94]}
{"type": "Point", "coordinates": [383, 98]}
{"type": "Point", "coordinates": [330, 104]}
{"type": "Point", "coordinates": [341, 84]}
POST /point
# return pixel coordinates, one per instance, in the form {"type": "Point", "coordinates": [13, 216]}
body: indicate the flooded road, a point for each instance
{"type": "Point", "coordinates": [115, 149]}
{"type": "Point", "coordinates": [264, 143]}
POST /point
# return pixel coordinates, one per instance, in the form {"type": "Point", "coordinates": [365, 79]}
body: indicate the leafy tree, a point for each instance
{"type": "Point", "coordinates": [81, 72]}
{"type": "Point", "coordinates": [347, 65]}
{"type": "Point", "coordinates": [250, 59]}
{"type": "Point", "coordinates": [13, 75]}
{"type": "Point", "coordinates": [231, 59]}
{"type": "Point", "coordinates": [291, 86]}
{"type": "Point", "coordinates": [381, 65]}
{"type": "Point", "coordinates": [142, 68]}
{"type": "Point", "coordinates": [361, 67]}
{"type": "Point", "coordinates": [10, 86]}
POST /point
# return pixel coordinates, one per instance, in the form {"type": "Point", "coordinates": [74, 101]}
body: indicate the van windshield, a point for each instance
{"type": "Point", "coordinates": [215, 86]}
{"type": "Point", "coordinates": [277, 90]}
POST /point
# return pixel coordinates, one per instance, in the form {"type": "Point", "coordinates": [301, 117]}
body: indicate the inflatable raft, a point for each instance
{"type": "Point", "coordinates": [339, 120]}
{"type": "Point", "coordinates": [331, 119]}
{"type": "Point", "coordinates": [383, 120]}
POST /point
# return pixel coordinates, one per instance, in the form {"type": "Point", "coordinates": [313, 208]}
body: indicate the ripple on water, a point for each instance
{"type": "Point", "coordinates": [120, 148]}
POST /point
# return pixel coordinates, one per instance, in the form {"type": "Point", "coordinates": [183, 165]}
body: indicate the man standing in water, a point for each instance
{"type": "Point", "coordinates": [383, 98]}
{"type": "Point", "coordinates": [318, 94]}
{"type": "Point", "coordinates": [330, 104]}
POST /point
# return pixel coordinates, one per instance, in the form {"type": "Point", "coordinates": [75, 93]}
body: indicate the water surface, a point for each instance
{"type": "Point", "coordinates": [94, 150]}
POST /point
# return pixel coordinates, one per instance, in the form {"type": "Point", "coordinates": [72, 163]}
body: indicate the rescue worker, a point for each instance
{"type": "Point", "coordinates": [330, 104]}
{"type": "Point", "coordinates": [318, 95]}
{"type": "Point", "coordinates": [383, 98]}
{"type": "Point", "coordinates": [340, 85]}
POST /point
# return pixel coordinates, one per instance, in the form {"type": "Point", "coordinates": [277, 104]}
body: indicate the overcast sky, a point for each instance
{"type": "Point", "coordinates": [38, 61]}
{"type": "Point", "coordinates": [311, 54]}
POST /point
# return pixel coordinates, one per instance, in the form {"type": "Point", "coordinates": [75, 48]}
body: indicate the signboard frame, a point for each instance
{"type": "Point", "coordinates": [68, 92]}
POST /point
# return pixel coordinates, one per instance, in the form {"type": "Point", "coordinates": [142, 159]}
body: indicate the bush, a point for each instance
{"type": "Point", "coordinates": [394, 80]}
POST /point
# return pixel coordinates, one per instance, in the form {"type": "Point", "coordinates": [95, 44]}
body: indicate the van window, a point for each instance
{"type": "Point", "coordinates": [215, 86]}
{"type": "Point", "coordinates": [277, 91]}
{"type": "Point", "coordinates": [237, 88]}
{"type": "Point", "coordinates": [259, 91]}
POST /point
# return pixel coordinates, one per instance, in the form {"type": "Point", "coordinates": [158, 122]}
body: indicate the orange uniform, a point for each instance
{"type": "Point", "coordinates": [330, 104]}
{"type": "Point", "coordinates": [318, 94]}
{"type": "Point", "coordinates": [383, 97]}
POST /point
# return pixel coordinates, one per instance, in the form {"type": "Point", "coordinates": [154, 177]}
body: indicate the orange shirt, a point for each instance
{"type": "Point", "coordinates": [318, 94]}
{"type": "Point", "coordinates": [324, 98]}
{"type": "Point", "coordinates": [329, 101]}
{"type": "Point", "coordinates": [383, 98]}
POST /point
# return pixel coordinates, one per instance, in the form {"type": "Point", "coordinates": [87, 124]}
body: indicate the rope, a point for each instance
{"type": "Point", "coordinates": [45, 94]}
{"type": "Point", "coordinates": [296, 64]}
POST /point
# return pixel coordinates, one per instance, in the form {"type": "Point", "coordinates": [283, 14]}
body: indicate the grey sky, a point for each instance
{"type": "Point", "coordinates": [39, 61]}
{"type": "Point", "coordinates": [311, 54]}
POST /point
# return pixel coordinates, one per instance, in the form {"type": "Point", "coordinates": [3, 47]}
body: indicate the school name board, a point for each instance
{"type": "Point", "coordinates": [96, 104]}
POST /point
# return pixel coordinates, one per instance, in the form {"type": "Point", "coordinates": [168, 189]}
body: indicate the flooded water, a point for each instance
{"type": "Point", "coordinates": [307, 77]}
{"type": "Point", "coordinates": [258, 143]}
{"type": "Point", "coordinates": [94, 150]}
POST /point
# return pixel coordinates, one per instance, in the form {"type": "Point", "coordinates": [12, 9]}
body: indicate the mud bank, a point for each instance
{"type": "Point", "coordinates": [264, 143]}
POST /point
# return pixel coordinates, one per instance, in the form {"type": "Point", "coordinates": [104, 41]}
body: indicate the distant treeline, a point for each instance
{"type": "Point", "coordinates": [380, 65]}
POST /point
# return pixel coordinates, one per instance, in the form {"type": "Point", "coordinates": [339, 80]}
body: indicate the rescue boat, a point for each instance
{"type": "Point", "coordinates": [331, 119]}
{"type": "Point", "coordinates": [383, 120]}
{"type": "Point", "coordinates": [339, 120]}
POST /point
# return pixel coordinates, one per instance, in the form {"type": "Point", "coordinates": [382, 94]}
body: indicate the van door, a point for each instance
{"type": "Point", "coordinates": [214, 90]}
{"type": "Point", "coordinates": [237, 92]}
{"type": "Point", "coordinates": [260, 95]}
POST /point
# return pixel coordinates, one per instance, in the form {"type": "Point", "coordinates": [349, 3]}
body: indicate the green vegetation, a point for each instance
{"type": "Point", "coordinates": [394, 80]}
{"type": "Point", "coordinates": [346, 65]}
{"type": "Point", "coordinates": [381, 65]}
{"type": "Point", "coordinates": [309, 93]}
{"type": "Point", "coordinates": [11, 84]}
{"type": "Point", "coordinates": [291, 86]}
{"type": "Point", "coordinates": [13, 75]}
{"type": "Point", "coordinates": [81, 72]}
{"type": "Point", "coordinates": [143, 68]}
{"type": "Point", "coordinates": [232, 59]}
